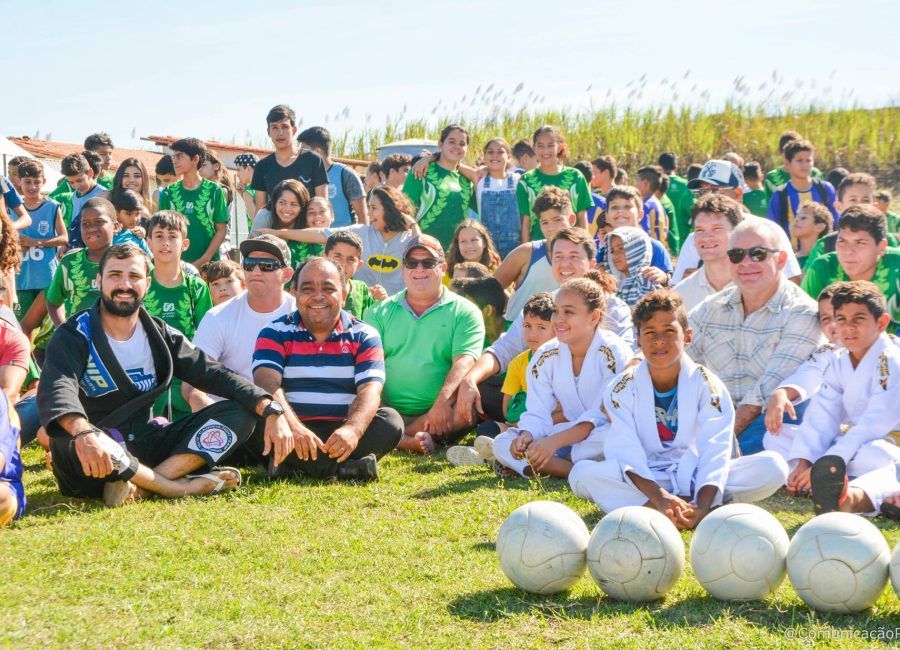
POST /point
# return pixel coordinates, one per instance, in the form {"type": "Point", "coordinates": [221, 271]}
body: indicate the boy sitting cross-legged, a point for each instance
{"type": "Point", "coordinates": [846, 428]}
{"type": "Point", "coordinates": [677, 457]}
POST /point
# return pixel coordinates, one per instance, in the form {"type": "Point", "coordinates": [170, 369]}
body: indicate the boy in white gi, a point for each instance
{"type": "Point", "coordinates": [847, 427]}
{"type": "Point", "coordinates": [573, 370]}
{"type": "Point", "coordinates": [677, 457]}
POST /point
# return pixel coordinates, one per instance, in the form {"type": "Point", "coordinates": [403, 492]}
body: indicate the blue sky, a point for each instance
{"type": "Point", "coordinates": [212, 70]}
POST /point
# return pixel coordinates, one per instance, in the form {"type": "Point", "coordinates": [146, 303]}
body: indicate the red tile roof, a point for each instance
{"type": "Point", "coordinates": [49, 149]}
{"type": "Point", "coordinates": [166, 140]}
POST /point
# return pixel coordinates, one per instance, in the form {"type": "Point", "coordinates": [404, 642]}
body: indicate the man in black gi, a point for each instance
{"type": "Point", "coordinates": [104, 368]}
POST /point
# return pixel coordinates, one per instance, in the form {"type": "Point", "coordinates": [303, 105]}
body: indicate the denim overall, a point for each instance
{"type": "Point", "coordinates": [500, 215]}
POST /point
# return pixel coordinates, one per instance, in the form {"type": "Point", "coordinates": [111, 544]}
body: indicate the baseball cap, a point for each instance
{"type": "Point", "coordinates": [720, 173]}
{"type": "Point", "coordinates": [267, 244]}
{"type": "Point", "coordinates": [427, 243]}
{"type": "Point", "coordinates": [245, 160]}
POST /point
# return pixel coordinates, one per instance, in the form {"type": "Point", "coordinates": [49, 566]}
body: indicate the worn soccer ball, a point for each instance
{"type": "Point", "coordinates": [541, 547]}
{"type": "Point", "coordinates": [838, 562]}
{"type": "Point", "coordinates": [738, 552]}
{"type": "Point", "coordinates": [635, 554]}
{"type": "Point", "coordinates": [895, 570]}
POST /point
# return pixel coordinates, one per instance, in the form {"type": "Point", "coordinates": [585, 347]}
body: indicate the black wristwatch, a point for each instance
{"type": "Point", "coordinates": [273, 408]}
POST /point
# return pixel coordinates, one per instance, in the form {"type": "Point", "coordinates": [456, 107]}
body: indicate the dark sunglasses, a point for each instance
{"type": "Point", "coordinates": [428, 263]}
{"type": "Point", "coordinates": [706, 190]}
{"type": "Point", "coordinates": [756, 254]}
{"type": "Point", "coordinates": [265, 265]}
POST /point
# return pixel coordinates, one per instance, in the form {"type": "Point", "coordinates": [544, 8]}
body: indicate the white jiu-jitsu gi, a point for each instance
{"type": "Point", "coordinates": [700, 454]}
{"type": "Point", "coordinates": [550, 380]}
{"type": "Point", "coordinates": [854, 413]}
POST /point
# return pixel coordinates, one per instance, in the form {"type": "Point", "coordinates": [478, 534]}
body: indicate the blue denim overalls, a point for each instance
{"type": "Point", "coordinates": [500, 215]}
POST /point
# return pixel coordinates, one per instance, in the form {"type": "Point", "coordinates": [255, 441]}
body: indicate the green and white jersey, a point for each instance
{"type": "Point", "coordinates": [183, 306]}
{"type": "Point", "coordinates": [442, 199]}
{"type": "Point", "coordinates": [74, 283]}
{"type": "Point", "coordinates": [203, 206]}
{"type": "Point", "coordinates": [569, 179]}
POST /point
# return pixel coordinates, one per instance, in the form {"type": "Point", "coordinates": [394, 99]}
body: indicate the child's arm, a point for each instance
{"type": "Point", "coordinates": [506, 399]}
{"type": "Point", "coordinates": [782, 400]}
{"type": "Point", "coordinates": [511, 269]}
{"type": "Point", "coordinates": [525, 229]}
{"type": "Point", "coordinates": [581, 219]}
{"type": "Point", "coordinates": [673, 507]}
{"type": "Point", "coordinates": [23, 220]}
{"type": "Point", "coordinates": [57, 314]}
{"type": "Point", "coordinates": [543, 450]}
{"type": "Point", "coordinates": [213, 247]}
{"type": "Point", "coordinates": [307, 235]}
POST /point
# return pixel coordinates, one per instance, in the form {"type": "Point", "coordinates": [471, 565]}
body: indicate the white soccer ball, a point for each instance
{"type": "Point", "coordinates": [738, 552]}
{"type": "Point", "coordinates": [838, 562]}
{"type": "Point", "coordinates": [635, 554]}
{"type": "Point", "coordinates": [541, 547]}
{"type": "Point", "coordinates": [895, 570]}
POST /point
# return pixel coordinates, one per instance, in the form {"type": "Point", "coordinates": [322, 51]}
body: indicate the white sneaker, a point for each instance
{"type": "Point", "coordinates": [485, 447]}
{"type": "Point", "coordinates": [461, 455]}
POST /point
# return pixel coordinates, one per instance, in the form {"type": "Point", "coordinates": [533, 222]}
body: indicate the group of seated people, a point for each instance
{"type": "Point", "coordinates": [328, 347]}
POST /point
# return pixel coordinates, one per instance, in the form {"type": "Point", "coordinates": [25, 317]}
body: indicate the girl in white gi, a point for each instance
{"type": "Point", "coordinates": [573, 370]}
{"type": "Point", "coordinates": [677, 457]}
{"type": "Point", "coordinates": [849, 422]}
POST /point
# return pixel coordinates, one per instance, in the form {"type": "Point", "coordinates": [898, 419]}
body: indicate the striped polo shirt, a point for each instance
{"type": "Point", "coordinates": [320, 380]}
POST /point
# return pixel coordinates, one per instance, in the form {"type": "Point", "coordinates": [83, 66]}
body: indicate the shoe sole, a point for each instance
{"type": "Point", "coordinates": [462, 456]}
{"type": "Point", "coordinates": [485, 447]}
{"type": "Point", "coordinates": [828, 479]}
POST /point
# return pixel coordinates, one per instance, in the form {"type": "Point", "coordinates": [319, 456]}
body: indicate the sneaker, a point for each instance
{"type": "Point", "coordinates": [485, 447]}
{"type": "Point", "coordinates": [460, 455]}
{"type": "Point", "coordinates": [828, 480]}
{"type": "Point", "coordinates": [364, 469]}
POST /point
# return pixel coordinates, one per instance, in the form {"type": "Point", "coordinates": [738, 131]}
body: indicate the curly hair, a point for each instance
{"type": "Point", "coordinates": [489, 256]}
{"type": "Point", "coordinates": [9, 244]}
{"type": "Point", "coordinates": [659, 300]}
{"type": "Point", "coordinates": [399, 214]}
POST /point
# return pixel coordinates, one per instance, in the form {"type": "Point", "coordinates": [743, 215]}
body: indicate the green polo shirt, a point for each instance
{"type": "Point", "coordinates": [419, 350]}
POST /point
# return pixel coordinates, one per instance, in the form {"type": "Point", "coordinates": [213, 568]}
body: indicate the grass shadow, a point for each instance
{"type": "Point", "coordinates": [497, 604]}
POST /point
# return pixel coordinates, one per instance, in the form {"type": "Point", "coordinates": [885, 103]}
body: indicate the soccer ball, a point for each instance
{"type": "Point", "coordinates": [541, 547]}
{"type": "Point", "coordinates": [738, 552]}
{"type": "Point", "coordinates": [838, 562]}
{"type": "Point", "coordinates": [635, 554]}
{"type": "Point", "coordinates": [895, 570]}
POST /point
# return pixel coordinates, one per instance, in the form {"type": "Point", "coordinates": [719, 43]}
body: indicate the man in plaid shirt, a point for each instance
{"type": "Point", "coordinates": [755, 334]}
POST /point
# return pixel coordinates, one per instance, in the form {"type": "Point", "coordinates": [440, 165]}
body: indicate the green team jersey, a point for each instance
{"type": "Point", "coordinates": [757, 201]}
{"type": "Point", "coordinates": [301, 250]}
{"type": "Point", "coordinates": [569, 179]}
{"type": "Point", "coordinates": [826, 270]}
{"type": "Point", "coordinates": [65, 202]}
{"type": "Point", "coordinates": [679, 222]}
{"type": "Point", "coordinates": [780, 176]}
{"type": "Point", "coordinates": [183, 306]}
{"type": "Point", "coordinates": [893, 222]}
{"type": "Point", "coordinates": [442, 199]}
{"type": "Point", "coordinates": [358, 299]}
{"type": "Point", "coordinates": [106, 180]}
{"type": "Point", "coordinates": [203, 206]}
{"type": "Point", "coordinates": [674, 234]}
{"type": "Point", "coordinates": [819, 249]}
{"type": "Point", "coordinates": [74, 283]}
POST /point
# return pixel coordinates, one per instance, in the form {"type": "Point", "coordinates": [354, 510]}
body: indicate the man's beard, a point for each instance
{"type": "Point", "coordinates": [121, 308]}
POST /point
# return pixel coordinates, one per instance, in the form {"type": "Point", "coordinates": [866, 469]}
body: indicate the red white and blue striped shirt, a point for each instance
{"type": "Point", "coordinates": [320, 380]}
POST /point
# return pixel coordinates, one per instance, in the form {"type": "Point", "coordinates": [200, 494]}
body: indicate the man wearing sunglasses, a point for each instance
{"type": "Point", "coordinates": [431, 339]}
{"type": "Point", "coordinates": [753, 335]}
{"type": "Point", "coordinates": [724, 178]}
{"type": "Point", "coordinates": [228, 331]}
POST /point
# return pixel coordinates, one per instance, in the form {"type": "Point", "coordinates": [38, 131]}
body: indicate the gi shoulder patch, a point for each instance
{"type": "Point", "coordinates": [822, 349]}
{"type": "Point", "coordinates": [884, 372]}
{"type": "Point", "coordinates": [714, 399]}
{"type": "Point", "coordinates": [549, 354]}
{"type": "Point", "coordinates": [627, 376]}
{"type": "Point", "coordinates": [610, 359]}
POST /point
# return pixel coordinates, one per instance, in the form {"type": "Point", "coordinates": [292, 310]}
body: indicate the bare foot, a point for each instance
{"type": "Point", "coordinates": [421, 443]}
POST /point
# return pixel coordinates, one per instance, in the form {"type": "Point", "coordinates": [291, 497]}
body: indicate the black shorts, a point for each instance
{"type": "Point", "coordinates": [213, 434]}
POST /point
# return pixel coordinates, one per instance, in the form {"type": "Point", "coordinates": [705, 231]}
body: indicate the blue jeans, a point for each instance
{"type": "Point", "coordinates": [500, 215]}
{"type": "Point", "coordinates": [751, 440]}
{"type": "Point", "coordinates": [29, 423]}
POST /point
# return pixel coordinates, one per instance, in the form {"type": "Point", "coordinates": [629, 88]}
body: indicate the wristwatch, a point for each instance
{"type": "Point", "coordinates": [273, 408]}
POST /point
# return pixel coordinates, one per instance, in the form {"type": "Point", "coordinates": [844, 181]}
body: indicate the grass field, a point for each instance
{"type": "Point", "coordinates": [406, 562]}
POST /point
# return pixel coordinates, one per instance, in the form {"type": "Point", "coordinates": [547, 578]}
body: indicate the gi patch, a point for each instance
{"type": "Point", "coordinates": [883, 372]}
{"type": "Point", "coordinates": [549, 354]}
{"type": "Point", "coordinates": [610, 359]}
{"type": "Point", "coordinates": [212, 439]}
{"type": "Point", "coordinates": [822, 349]}
{"type": "Point", "coordinates": [714, 400]}
{"type": "Point", "coordinates": [620, 386]}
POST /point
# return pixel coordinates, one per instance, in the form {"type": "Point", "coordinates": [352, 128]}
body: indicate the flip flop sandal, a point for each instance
{"type": "Point", "coordinates": [828, 479]}
{"type": "Point", "coordinates": [218, 481]}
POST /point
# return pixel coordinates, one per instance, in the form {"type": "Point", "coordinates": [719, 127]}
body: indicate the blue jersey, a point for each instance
{"type": "Point", "coordinates": [128, 237]}
{"type": "Point", "coordinates": [78, 201]}
{"type": "Point", "coordinates": [795, 199]}
{"type": "Point", "coordinates": [11, 467]}
{"type": "Point", "coordinates": [343, 186]}
{"type": "Point", "coordinates": [39, 263]}
{"type": "Point", "coordinates": [655, 222]}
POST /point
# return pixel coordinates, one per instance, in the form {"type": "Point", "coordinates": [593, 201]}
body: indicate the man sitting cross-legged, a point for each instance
{"type": "Point", "coordinates": [104, 369]}
{"type": "Point", "coordinates": [329, 368]}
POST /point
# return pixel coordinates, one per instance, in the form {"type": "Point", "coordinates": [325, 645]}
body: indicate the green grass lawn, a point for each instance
{"type": "Point", "coordinates": [406, 562]}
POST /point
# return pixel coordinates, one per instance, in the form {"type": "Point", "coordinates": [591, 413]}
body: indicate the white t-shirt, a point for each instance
{"type": "Point", "coordinates": [228, 332]}
{"type": "Point", "coordinates": [136, 359]}
{"type": "Point", "coordinates": [689, 258]}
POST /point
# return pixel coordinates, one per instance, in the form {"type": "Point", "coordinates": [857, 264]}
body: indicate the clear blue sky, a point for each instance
{"type": "Point", "coordinates": [212, 70]}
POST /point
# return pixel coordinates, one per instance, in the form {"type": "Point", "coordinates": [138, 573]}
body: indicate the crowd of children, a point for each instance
{"type": "Point", "coordinates": [590, 367]}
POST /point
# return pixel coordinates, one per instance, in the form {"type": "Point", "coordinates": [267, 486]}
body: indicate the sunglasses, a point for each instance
{"type": "Point", "coordinates": [706, 190]}
{"type": "Point", "coordinates": [427, 263]}
{"type": "Point", "coordinates": [265, 265]}
{"type": "Point", "coordinates": [756, 253]}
